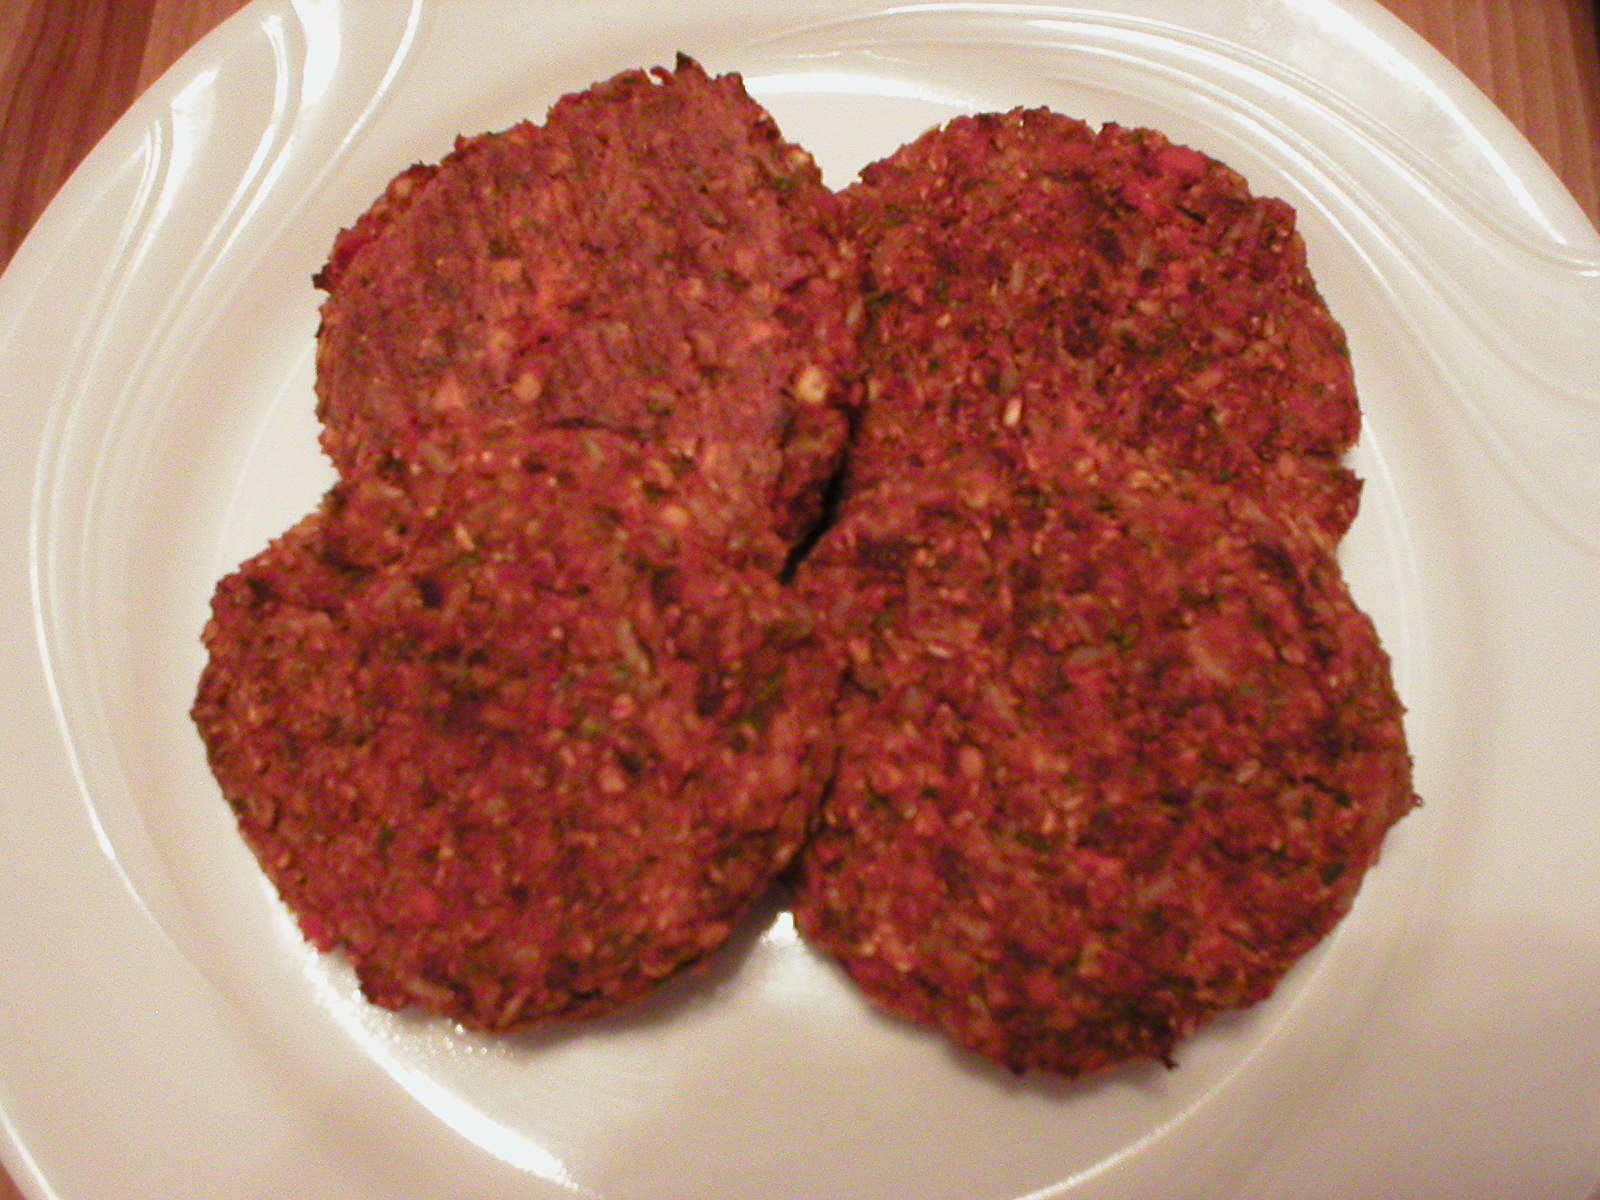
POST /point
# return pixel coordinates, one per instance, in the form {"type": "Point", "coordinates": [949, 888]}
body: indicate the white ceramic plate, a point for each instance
{"type": "Point", "coordinates": [167, 1034]}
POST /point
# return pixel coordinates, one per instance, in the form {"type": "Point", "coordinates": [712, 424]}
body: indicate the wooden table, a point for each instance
{"type": "Point", "coordinates": [68, 69]}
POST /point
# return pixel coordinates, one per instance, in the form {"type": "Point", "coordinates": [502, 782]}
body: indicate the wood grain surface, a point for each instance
{"type": "Point", "coordinates": [69, 68]}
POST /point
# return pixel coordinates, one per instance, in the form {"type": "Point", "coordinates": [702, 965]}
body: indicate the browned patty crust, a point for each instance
{"type": "Point", "coordinates": [1033, 281]}
{"type": "Point", "coordinates": [654, 258]}
{"type": "Point", "coordinates": [521, 720]}
{"type": "Point", "coordinates": [526, 740]}
{"type": "Point", "coordinates": [1115, 752]}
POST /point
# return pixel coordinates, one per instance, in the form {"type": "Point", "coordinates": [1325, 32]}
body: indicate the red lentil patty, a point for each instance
{"type": "Point", "coordinates": [652, 258]}
{"type": "Point", "coordinates": [526, 739]}
{"type": "Point", "coordinates": [1116, 750]}
{"type": "Point", "coordinates": [522, 718]}
{"type": "Point", "coordinates": [1032, 281]}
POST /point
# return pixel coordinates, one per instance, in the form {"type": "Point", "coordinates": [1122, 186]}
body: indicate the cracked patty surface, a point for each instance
{"type": "Point", "coordinates": [523, 740]}
{"type": "Point", "coordinates": [1031, 282]}
{"type": "Point", "coordinates": [1115, 751]}
{"type": "Point", "coordinates": [653, 258]}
